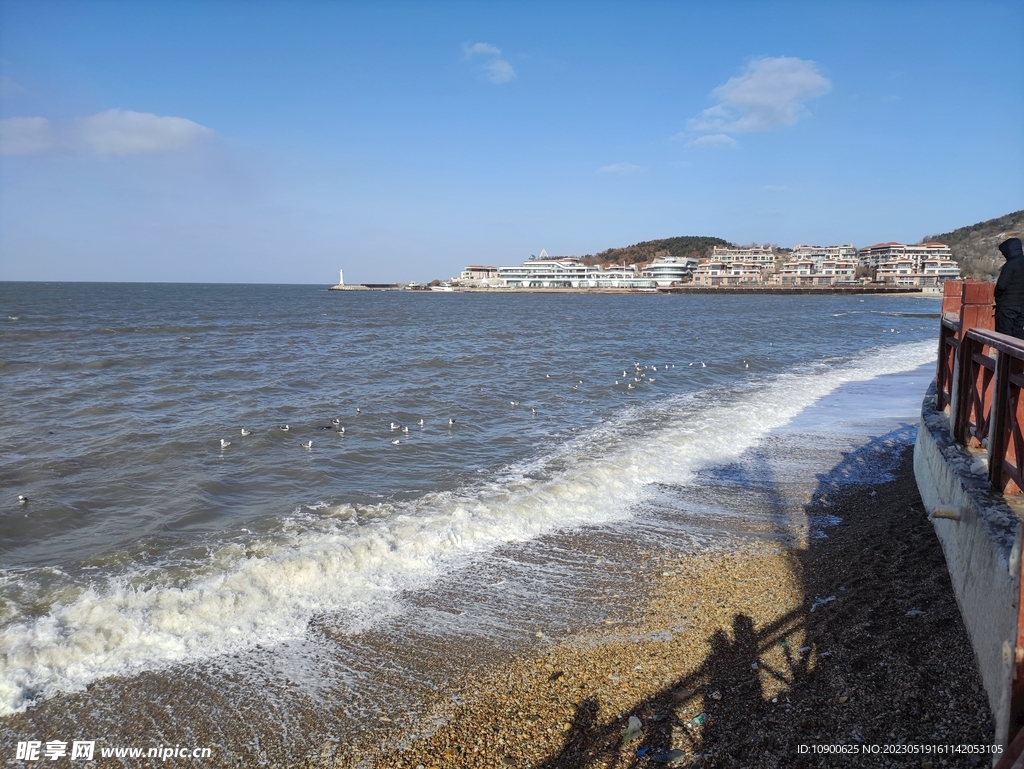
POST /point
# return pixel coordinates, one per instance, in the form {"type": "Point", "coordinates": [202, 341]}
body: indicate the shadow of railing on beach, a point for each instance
{"type": "Point", "coordinates": [741, 723]}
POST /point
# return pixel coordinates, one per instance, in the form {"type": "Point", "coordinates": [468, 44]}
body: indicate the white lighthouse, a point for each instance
{"type": "Point", "coordinates": [341, 277]}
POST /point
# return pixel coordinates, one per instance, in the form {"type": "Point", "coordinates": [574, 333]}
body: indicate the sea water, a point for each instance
{"type": "Point", "coordinates": [476, 427]}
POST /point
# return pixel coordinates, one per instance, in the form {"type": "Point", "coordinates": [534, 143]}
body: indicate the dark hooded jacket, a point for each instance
{"type": "Point", "coordinates": [1010, 290]}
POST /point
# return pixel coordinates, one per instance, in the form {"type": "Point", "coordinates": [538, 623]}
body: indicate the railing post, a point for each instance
{"type": "Point", "coordinates": [997, 432]}
{"type": "Point", "coordinates": [962, 394]}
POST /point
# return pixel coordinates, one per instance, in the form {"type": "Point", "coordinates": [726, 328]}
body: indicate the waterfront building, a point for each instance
{"type": "Point", "coordinates": [941, 269]}
{"type": "Point", "coordinates": [717, 273]}
{"type": "Point", "coordinates": [902, 272]}
{"type": "Point", "coordinates": [795, 272]}
{"type": "Point", "coordinates": [759, 255]}
{"type": "Point", "coordinates": [671, 270]}
{"type": "Point", "coordinates": [839, 269]}
{"type": "Point", "coordinates": [873, 256]}
{"type": "Point", "coordinates": [819, 254]}
{"type": "Point", "coordinates": [570, 272]}
{"type": "Point", "coordinates": [476, 272]}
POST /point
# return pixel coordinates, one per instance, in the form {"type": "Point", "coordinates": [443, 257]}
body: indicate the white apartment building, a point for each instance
{"type": "Point", "coordinates": [764, 257]}
{"type": "Point", "coordinates": [671, 270]}
{"type": "Point", "coordinates": [873, 256]}
{"type": "Point", "coordinates": [818, 254]}
{"type": "Point", "coordinates": [478, 272]}
{"type": "Point", "coordinates": [570, 272]}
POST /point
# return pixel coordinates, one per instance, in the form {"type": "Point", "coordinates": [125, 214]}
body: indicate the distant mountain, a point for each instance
{"type": "Point", "coordinates": [641, 253]}
{"type": "Point", "coordinates": [976, 248]}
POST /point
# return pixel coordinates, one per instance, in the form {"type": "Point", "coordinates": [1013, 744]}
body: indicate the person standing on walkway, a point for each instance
{"type": "Point", "coordinates": [1010, 290]}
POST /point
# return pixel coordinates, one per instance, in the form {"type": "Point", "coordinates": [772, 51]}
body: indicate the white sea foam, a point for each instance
{"type": "Point", "coordinates": [349, 563]}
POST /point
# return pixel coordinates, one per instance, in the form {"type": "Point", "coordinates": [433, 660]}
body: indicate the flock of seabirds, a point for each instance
{"type": "Point", "coordinates": [641, 374]}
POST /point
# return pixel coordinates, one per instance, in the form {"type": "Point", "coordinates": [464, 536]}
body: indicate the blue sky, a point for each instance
{"type": "Point", "coordinates": [279, 142]}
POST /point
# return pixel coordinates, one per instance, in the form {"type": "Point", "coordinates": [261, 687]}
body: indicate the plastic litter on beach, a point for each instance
{"type": "Point", "coordinates": [822, 601]}
{"type": "Point", "coordinates": [642, 752]}
{"type": "Point", "coordinates": [914, 613]}
{"type": "Point", "coordinates": [632, 730]}
{"type": "Point", "coordinates": [667, 756]}
{"type": "Point", "coordinates": [696, 721]}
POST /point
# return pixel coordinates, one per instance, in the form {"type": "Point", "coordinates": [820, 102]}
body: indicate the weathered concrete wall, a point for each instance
{"type": "Point", "coordinates": [982, 551]}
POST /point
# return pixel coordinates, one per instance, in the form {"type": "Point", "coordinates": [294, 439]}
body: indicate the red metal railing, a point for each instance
{"type": "Point", "coordinates": [979, 376]}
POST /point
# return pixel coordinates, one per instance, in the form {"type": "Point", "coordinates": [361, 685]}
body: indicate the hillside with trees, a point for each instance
{"type": "Point", "coordinates": [976, 248]}
{"type": "Point", "coordinates": [644, 252]}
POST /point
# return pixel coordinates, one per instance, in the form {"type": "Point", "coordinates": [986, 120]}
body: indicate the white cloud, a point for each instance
{"type": "Point", "coordinates": [123, 132]}
{"type": "Point", "coordinates": [481, 48]}
{"type": "Point", "coordinates": [25, 135]}
{"type": "Point", "coordinates": [713, 140]}
{"type": "Point", "coordinates": [497, 70]}
{"type": "Point", "coordinates": [622, 168]}
{"type": "Point", "coordinates": [500, 71]}
{"type": "Point", "coordinates": [769, 94]}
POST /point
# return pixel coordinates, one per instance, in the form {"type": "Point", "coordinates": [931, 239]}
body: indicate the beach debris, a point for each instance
{"type": "Point", "coordinates": [914, 613]}
{"type": "Point", "coordinates": [753, 666]}
{"type": "Point", "coordinates": [716, 695]}
{"type": "Point", "coordinates": [667, 756]}
{"type": "Point", "coordinates": [641, 752]}
{"type": "Point", "coordinates": [681, 694]}
{"type": "Point", "coordinates": [822, 601]}
{"type": "Point", "coordinates": [696, 721]}
{"type": "Point", "coordinates": [633, 728]}
{"type": "Point", "coordinates": [509, 761]}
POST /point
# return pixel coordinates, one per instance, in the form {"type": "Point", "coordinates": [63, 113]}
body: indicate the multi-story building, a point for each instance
{"type": "Point", "coordinates": [839, 270]}
{"type": "Point", "coordinates": [818, 254]}
{"type": "Point", "coordinates": [570, 272]}
{"type": "Point", "coordinates": [795, 272]}
{"type": "Point", "coordinates": [476, 272]}
{"type": "Point", "coordinates": [759, 255]}
{"type": "Point", "coordinates": [671, 270]}
{"type": "Point", "coordinates": [873, 256]}
{"type": "Point", "coordinates": [716, 273]}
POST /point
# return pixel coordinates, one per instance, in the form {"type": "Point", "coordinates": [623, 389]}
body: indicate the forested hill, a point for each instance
{"type": "Point", "coordinates": [640, 253]}
{"type": "Point", "coordinates": [976, 248]}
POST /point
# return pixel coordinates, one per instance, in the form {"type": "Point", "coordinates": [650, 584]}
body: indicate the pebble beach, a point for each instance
{"type": "Point", "coordinates": [735, 659]}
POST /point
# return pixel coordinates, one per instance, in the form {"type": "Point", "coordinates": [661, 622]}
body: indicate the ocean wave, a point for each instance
{"type": "Point", "coordinates": [352, 561]}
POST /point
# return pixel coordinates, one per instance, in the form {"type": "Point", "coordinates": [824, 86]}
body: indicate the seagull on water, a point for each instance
{"type": "Point", "coordinates": [22, 499]}
{"type": "Point", "coordinates": [631, 386]}
{"type": "Point", "coordinates": [395, 425]}
{"type": "Point", "coordinates": [307, 445]}
{"type": "Point", "coordinates": [533, 411]}
{"type": "Point", "coordinates": [246, 432]}
{"type": "Point", "coordinates": [224, 443]}
{"type": "Point", "coordinates": [421, 422]}
{"type": "Point", "coordinates": [703, 364]}
{"type": "Point", "coordinates": [451, 421]}
{"type": "Point", "coordinates": [285, 428]}
{"type": "Point", "coordinates": [405, 429]}
{"type": "Point", "coordinates": [335, 422]}
{"type": "Point", "coordinates": [358, 411]}
{"type": "Point", "coordinates": [513, 404]}
{"type": "Point", "coordinates": [395, 442]}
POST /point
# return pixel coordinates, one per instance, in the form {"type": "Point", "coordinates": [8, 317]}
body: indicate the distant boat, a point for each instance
{"type": "Point", "coordinates": [446, 286]}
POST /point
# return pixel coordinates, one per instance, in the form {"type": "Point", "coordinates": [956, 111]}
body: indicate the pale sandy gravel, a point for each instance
{"type": "Point", "coordinates": [857, 670]}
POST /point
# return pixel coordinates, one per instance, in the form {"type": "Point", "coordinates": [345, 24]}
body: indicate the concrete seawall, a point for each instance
{"type": "Point", "coordinates": [982, 550]}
